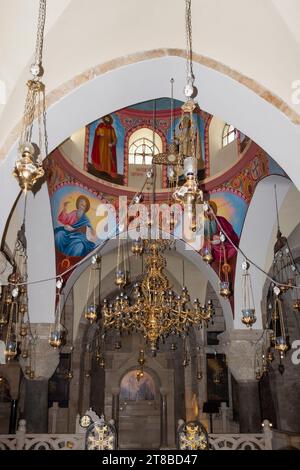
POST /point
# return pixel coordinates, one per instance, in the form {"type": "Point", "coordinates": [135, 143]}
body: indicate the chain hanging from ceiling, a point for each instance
{"type": "Point", "coordinates": [14, 315]}
{"type": "Point", "coordinates": [28, 167]}
{"type": "Point", "coordinates": [153, 309]}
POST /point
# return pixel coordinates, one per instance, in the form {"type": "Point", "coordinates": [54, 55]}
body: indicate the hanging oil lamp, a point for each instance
{"type": "Point", "coordinates": [91, 313]}
{"type": "Point", "coordinates": [224, 270]}
{"type": "Point", "coordinates": [278, 325]}
{"type": "Point", "coordinates": [248, 311]}
{"type": "Point", "coordinates": [295, 295]}
{"type": "Point", "coordinates": [137, 247]}
{"type": "Point", "coordinates": [56, 335]}
{"type": "Point", "coordinates": [207, 249]}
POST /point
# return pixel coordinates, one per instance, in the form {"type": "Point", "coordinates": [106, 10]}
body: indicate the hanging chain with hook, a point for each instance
{"type": "Point", "coordinates": [189, 53]}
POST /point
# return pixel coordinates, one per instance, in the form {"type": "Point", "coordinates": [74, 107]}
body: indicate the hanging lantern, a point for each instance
{"type": "Point", "coordinates": [270, 356]}
{"type": "Point", "coordinates": [248, 310]}
{"type": "Point", "coordinates": [224, 270]}
{"type": "Point", "coordinates": [278, 326]}
{"type": "Point", "coordinates": [296, 305]}
{"type": "Point", "coordinates": [120, 279]}
{"type": "Point", "coordinates": [225, 290]}
{"type": "Point", "coordinates": [91, 313]}
{"type": "Point", "coordinates": [10, 349]}
{"type": "Point", "coordinates": [137, 247]}
{"type": "Point", "coordinates": [57, 331]}
{"type": "Point", "coordinates": [284, 270]}
{"type": "Point", "coordinates": [295, 294]}
{"type": "Point", "coordinates": [207, 254]}
{"type": "Point", "coordinates": [27, 169]}
{"type": "Point", "coordinates": [102, 363]}
{"type": "Point", "coordinates": [56, 338]}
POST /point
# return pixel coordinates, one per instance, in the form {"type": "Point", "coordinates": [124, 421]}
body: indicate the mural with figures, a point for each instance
{"type": "Point", "coordinates": [77, 196]}
{"type": "Point", "coordinates": [133, 389]}
{"type": "Point", "coordinates": [79, 222]}
{"type": "Point", "coordinates": [108, 138]}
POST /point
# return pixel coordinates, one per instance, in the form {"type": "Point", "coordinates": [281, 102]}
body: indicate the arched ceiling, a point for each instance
{"type": "Point", "coordinates": [258, 39]}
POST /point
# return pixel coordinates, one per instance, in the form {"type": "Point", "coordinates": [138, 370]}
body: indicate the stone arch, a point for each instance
{"type": "Point", "coordinates": [265, 123]}
{"type": "Point", "coordinates": [255, 239]}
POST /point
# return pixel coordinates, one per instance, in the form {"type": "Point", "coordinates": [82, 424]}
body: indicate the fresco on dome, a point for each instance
{"type": "Point", "coordinates": [79, 225]}
{"type": "Point", "coordinates": [106, 141]}
{"type": "Point", "coordinates": [105, 148]}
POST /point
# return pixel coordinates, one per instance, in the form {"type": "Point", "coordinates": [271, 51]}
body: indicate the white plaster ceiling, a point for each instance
{"type": "Point", "coordinates": [258, 38]}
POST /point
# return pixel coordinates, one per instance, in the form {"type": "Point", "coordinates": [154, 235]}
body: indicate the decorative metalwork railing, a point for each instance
{"type": "Point", "coordinates": [237, 442]}
{"type": "Point", "coordinates": [8, 442]}
{"type": "Point", "coordinates": [77, 442]}
{"type": "Point", "coordinates": [269, 439]}
{"type": "Point", "coordinates": [54, 441]}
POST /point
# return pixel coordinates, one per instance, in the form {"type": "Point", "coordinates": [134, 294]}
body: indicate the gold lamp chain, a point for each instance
{"type": "Point", "coordinates": [188, 25]}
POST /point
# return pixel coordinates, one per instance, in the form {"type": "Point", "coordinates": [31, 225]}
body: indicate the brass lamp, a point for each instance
{"type": "Point", "coordinates": [248, 311]}
{"type": "Point", "coordinates": [28, 167]}
{"type": "Point", "coordinates": [155, 311]}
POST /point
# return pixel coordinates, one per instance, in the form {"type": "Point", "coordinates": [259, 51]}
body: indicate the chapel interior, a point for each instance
{"type": "Point", "coordinates": [149, 224]}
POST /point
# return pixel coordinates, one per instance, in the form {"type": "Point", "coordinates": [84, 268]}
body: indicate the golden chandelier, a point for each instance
{"type": "Point", "coordinates": [154, 310]}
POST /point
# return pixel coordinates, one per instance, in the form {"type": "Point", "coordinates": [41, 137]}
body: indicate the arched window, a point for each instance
{"type": "Point", "coordinates": [229, 134]}
{"type": "Point", "coordinates": [143, 144]}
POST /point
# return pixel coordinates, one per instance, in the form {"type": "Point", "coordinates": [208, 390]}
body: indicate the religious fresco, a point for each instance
{"type": "Point", "coordinates": [79, 225]}
{"type": "Point", "coordinates": [230, 211]}
{"type": "Point", "coordinates": [107, 138]}
{"type": "Point", "coordinates": [75, 196]}
{"type": "Point", "coordinates": [133, 389]}
{"type": "Point", "coordinates": [104, 148]}
{"type": "Point", "coordinates": [259, 167]}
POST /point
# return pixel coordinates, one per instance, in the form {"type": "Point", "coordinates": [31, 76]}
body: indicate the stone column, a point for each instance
{"type": "Point", "coordinates": [240, 347]}
{"type": "Point", "coordinates": [224, 416]}
{"type": "Point", "coordinates": [164, 420]}
{"type": "Point", "coordinates": [36, 406]}
{"type": "Point", "coordinates": [115, 405]}
{"type": "Point", "coordinates": [13, 416]}
{"type": "Point", "coordinates": [45, 360]}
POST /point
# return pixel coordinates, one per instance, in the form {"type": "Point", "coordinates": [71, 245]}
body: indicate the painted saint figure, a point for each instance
{"type": "Point", "coordinates": [75, 234]}
{"type": "Point", "coordinates": [212, 230]}
{"type": "Point", "coordinates": [104, 156]}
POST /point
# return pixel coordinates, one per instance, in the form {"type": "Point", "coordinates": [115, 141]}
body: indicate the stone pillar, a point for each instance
{"type": "Point", "coordinates": [115, 406]}
{"type": "Point", "coordinates": [249, 407]}
{"type": "Point", "coordinates": [240, 347]}
{"type": "Point", "coordinates": [36, 406]}
{"type": "Point", "coordinates": [224, 417]}
{"type": "Point", "coordinates": [13, 416]}
{"type": "Point", "coordinates": [164, 420]}
{"type": "Point", "coordinates": [53, 412]}
{"type": "Point", "coordinates": [45, 361]}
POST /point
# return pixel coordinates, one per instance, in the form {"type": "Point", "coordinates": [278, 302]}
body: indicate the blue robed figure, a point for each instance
{"type": "Point", "coordinates": [71, 236]}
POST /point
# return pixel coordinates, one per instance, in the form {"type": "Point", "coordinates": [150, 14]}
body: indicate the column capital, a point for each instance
{"type": "Point", "coordinates": [240, 347]}
{"type": "Point", "coordinates": [115, 390]}
{"type": "Point", "coordinates": [45, 359]}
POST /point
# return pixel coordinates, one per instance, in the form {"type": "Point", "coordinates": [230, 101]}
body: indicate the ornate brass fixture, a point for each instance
{"type": "Point", "coordinates": [57, 331]}
{"type": "Point", "coordinates": [141, 361]}
{"type": "Point", "coordinates": [91, 313]}
{"type": "Point", "coordinates": [224, 270]}
{"type": "Point", "coordinates": [192, 436]}
{"type": "Point", "coordinates": [28, 167]}
{"type": "Point", "coordinates": [248, 310]}
{"type": "Point", "coordinates": [155, 311]}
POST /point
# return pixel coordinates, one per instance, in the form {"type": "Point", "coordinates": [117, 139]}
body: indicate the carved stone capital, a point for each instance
{"type": "Point", "coordinates": [240, 347]}
{"type": "Point", "coordinates": [44, 358]}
